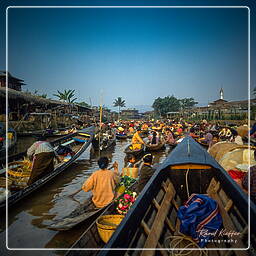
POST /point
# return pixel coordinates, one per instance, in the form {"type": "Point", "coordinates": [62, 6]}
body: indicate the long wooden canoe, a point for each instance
{"type": "Point", "coordinates": [83, 213]}
{"type": "Point", "coordinates": [153, 217]}
{"type": "Point", "coordinates": [77, 147]}
{"type": "Point", "coordinates": [157, 147]}
{"type": "Point", "coordinates": [130, 151]}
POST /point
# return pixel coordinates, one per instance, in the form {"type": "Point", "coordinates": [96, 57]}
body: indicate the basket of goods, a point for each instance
{"type": "Point", "coordinates": [19, 172]}
{"type": "Point", "coordinates": [131, 172]}
{"type": "Point", "coordinates": [3, 182]}
{"type": "Point", "coordinates": [107, 225]}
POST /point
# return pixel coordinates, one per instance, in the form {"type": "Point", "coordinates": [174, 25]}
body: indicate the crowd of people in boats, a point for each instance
{"type": "Point", "coordinates": [143, 139]}
{"type": "Point", "coordinates": [170, 132]}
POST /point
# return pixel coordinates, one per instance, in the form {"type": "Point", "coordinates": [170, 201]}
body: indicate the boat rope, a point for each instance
{"type": "Point", "coordinates": [188, 194]}
{"type": "Point", "coordinates": [177, 240]}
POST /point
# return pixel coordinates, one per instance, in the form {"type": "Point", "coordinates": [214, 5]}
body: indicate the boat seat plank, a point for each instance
{"type": "Point", "coordinates": [227, 222]}
{"type": "Point", "coordinates": [168, 222]}
{"type": "Point", "coordinates": [158, 224]}
{"type": "Point", "coordinates": [190, 166]}
{"type": "Point", "coordinates": [147, 231]}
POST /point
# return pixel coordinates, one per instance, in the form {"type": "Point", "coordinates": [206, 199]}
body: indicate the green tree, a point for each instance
{"type": "Point", "coordinates": [254, 92]}
{"type": "Point", "coordinates": [67, 95]}
{"type": "Point", "coordinates": [187, 103]}
{"type": "Point", "coordinates": [164, 105]}
{"type": "Point", "coordinates": [120, 103]}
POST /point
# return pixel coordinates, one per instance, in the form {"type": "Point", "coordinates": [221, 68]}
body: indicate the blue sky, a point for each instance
{"type": "Point", "coordinates": [138, 54]}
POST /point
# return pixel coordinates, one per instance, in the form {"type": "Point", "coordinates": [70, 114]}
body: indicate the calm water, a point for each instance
{"type": "Point", "coordinates": [28, 221]}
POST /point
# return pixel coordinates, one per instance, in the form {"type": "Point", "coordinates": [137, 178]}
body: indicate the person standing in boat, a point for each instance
{"type": "Point", "coordinates": [137, 141]}
{"type": "Point", "coordinates": [146, 171]}
{"type": "Point", "coordinates": [102, 183]}
{"type": "Point", "coordinates": [43, 154]}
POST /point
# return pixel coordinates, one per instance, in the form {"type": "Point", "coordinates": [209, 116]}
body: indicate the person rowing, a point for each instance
{"type": "Point", "coordinates": [137, 141]}
{"type": "Point", "coordinates": [102, 183]}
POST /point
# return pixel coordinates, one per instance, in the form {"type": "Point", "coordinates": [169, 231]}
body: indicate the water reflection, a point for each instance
{"type": "Point", "coordinates": [29, 219]}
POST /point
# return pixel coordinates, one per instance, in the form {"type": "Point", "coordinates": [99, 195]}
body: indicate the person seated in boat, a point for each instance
{"type": "Point", "coordinates": [137, 141]}
{"type": "Point", "coordinates": [144, 127]}
{"type": "Point", "coordinates": [131, 162]}
{"type": "Point", "coordinates": [169, 137]}
{"type": "Point", "coordinates": [73, 129]}
{"type": "Point", "coordinates": [146, 171]}
{"type": "Point", "coordinates": [192, 133]}
{"type": "Point", "coordinates": [102, 183]}
{"type": "Point", "coordinates": [154, 139]}
{"type": "Point", "coordinates": [120, 130]}
{"type": "Point", "coordinates": [236, 138]}
{"type": "Point", "coordinates": [43, 154]}
{"type": "Point", "coordinates": [179, 130]}
{"type": "Point", "coordinates": [252, 171]}
{"type": "Point", "coordinates": [253, 131]}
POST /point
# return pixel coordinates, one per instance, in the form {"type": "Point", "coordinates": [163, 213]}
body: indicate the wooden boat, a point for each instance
{"type": "Point", "coordinates": [77, 147]}
{"type": "Point", "coordinates": [157, 147]}
{"type": "Point", "coordinates": [8, 143]}
{"type": "Point", "coordinates": [121, 136]}
{"type": "Point", "coordinates": [81, 137]}
{"type": "Point", "coordinates": [167, 194]}
{"type": "Point", "coordinates": [83, 213]}
{"type": "Point", "coordinates": [153, 217]}
{"type": "Point", "coordinates": [107, 140]}
{"type": "Point", "coordinates": [130, 151]}
{"type": "Point", "coordinates": [130, 135]}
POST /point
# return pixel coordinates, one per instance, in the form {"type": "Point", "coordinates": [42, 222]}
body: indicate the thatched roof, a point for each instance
{"type": "Point", "coordinates": [30, 98]}
{"type": "Point", "coordinates": [3, 74]}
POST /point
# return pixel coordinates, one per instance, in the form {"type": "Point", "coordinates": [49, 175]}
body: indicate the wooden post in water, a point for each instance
{"type": "Point", "coordinates": [101, 100]}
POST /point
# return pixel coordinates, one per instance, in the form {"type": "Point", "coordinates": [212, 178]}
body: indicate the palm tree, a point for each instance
{"type": "Point", "coordinates": [66, 96]}
{"type": "Point", "coordinates": [254, 92]}
{"type": "Point", "coordinates": [120, 103]}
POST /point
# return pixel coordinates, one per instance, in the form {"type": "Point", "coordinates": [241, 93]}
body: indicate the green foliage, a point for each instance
{"type": "Point", "coordinates": [120, 103]}
{"type": "Point", "coordinates": [187, 103]}
{"type": "Point", "coordinates": [167, 104]}
{"type": "Point", "coordinates": [83, 104]}
{"type": "Point", "coordinates": [254, 92]}
{"type": "Point", "coordinates": [67, 95]}
{"type": "Point", "coordinates": [171, 104]}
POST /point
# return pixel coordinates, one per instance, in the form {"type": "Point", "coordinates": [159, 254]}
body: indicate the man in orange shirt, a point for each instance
{"type": "Point", "coordinates": [102, 183]}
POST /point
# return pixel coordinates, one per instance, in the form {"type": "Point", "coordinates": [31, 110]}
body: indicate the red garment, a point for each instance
{"type": "Point", "coordinates": [236, 174]}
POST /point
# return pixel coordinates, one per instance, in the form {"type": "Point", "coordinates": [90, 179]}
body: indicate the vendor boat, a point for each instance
{"type": "Point", "coordinates": [19, 178]}
{"type": "Point", "coordinates": [129, 150]}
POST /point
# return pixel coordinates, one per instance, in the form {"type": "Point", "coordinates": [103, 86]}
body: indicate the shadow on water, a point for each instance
{"type": "Point", "coordinates": [28, 220]}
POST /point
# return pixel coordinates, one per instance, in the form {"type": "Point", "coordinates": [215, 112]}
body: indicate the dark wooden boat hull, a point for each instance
{"type": "Point", "coordinates": [121, 137]}
{"type": "Point", "coordinates": [154, 214]}
{"type": "Point", "coordinates": [82, 214]}
{"type": "Point", "coordinates": [206, 176]}
{"type": "Point", "coordinates": [155, 147]}
{"type": "Point", "coordinates": [78, 216]}
{"type": "Point", "coordinates": [17, 196]}
{"type": "Point", "coordinates": [128, 151]}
